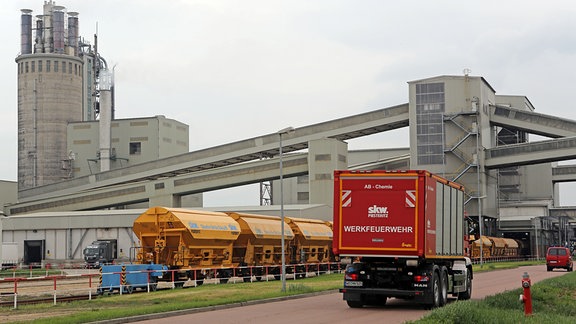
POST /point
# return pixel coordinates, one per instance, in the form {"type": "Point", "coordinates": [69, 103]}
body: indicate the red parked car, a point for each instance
{"type": "Point", "coordinates": [558, 257]}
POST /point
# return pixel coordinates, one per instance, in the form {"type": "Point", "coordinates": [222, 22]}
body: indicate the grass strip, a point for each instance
{"type": "Point", "coordinates": [115, 306]}
{"type": "Point", "coordinates": [553, 301]}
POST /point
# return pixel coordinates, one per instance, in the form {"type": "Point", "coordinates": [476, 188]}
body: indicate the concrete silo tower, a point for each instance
{"type": "Point", "coordinates": [56, 86]}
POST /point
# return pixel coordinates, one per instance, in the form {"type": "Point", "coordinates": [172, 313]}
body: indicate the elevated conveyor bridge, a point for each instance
{"type": "Point", "coordinates": [255, 160]}
{"type": "Point", "coordinates": [137, 183]}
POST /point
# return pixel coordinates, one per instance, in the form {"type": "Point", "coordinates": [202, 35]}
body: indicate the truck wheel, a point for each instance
{"type": "Point", "coordinates": [382, 301]}
{"type": "Point", "coordinates": [354, 303]}
{"type": "Point", "coordinates": [443, 286]}
{"type": "Point", "coordinates": [467, 294]}
{"type": "Point", "coordinates": [435, 291]}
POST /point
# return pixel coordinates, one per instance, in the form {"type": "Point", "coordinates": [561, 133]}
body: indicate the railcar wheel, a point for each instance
{"type": "Point", "coordinates": [246, 275]}
{"type": "Point", "coordinates": [199, 279]}
{"type": "Point", "coordinates": [225, 275]}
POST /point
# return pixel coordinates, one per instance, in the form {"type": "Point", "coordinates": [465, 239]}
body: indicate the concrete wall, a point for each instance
{"type": "Point", "coordinates": [8, 192]}
{"type": "Point", "coordinates": [157, 136]}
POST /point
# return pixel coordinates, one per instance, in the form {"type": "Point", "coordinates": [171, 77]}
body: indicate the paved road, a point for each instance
{"type": "Point", "coordinates": [330, 308]}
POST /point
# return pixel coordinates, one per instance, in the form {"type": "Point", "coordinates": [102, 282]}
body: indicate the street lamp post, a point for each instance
{"type": "Point", "coordinates": [480, 224]}
{"type": "Point", "coordinates": [283, 274]}
{"type": "Point", "coordinates": [481, 240]}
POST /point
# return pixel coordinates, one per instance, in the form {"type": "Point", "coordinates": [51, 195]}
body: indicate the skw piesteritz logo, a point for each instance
{"type": "Point", "coordinates": [377, 212]}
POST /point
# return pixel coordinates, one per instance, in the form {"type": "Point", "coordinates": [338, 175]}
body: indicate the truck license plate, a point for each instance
{"type": "Point", "coordinates": [353, 283]}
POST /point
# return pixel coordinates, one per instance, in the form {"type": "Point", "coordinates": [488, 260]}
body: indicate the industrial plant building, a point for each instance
{"type": "Point", "coordinates": [84, 175]}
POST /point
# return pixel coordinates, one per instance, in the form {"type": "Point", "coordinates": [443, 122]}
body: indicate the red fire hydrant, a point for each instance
{"type": "Point", "coordinates": [526, 297]}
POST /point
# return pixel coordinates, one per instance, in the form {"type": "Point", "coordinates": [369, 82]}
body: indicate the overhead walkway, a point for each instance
{"type": "Point", "coordinates": [258, 149]}
{"type": "Point", "coordinates": [228, 154]}
{"type": "Point", "coordinates": [190, 183]}
{"type": "Point", "coordinates": [564, 173]}
{"type": "Point", "coordinates": [253, 160]}
{"type": "Point", "coordinates": [531, 122]}
{"type": "Point", "coordinates": [560, 149]}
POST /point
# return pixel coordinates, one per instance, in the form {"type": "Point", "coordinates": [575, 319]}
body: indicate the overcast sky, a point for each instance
{"type": "Point", "coordinates": [232, 70]}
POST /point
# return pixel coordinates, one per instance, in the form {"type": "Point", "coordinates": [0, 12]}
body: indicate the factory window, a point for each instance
{"type": "Point", "coordinates": [47, 65]}
{"type": "Point", "coordinates": [55, 66]}
{"type": "Point", "coordinates": [323, 176]}
{"type": "Point", "coordinates": [26, 67]}
{"type": "Point", "coordinates": [40, 66]}
{"type": "Point", "coordinates": [323, 157]}
{"type": "Point", "coordinates": [69, 68]}
{"type": "Point", "coordinates": [33, 67]}
{"type": "Point", "coordinates": [429, 123]}
{"type": "Point", "coordinates": [63, 67]}
{"type": "Point", "coordinates": [135, 148]}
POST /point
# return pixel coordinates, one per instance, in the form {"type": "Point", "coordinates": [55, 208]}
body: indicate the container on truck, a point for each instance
{"type": "Point", "coordinates": [402, 235]}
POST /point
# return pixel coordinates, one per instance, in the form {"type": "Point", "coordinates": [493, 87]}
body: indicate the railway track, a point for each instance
{"type": "Point", "coordinates": [7, 300]}
{"type": "Point", "coordinates": [25, 290]}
